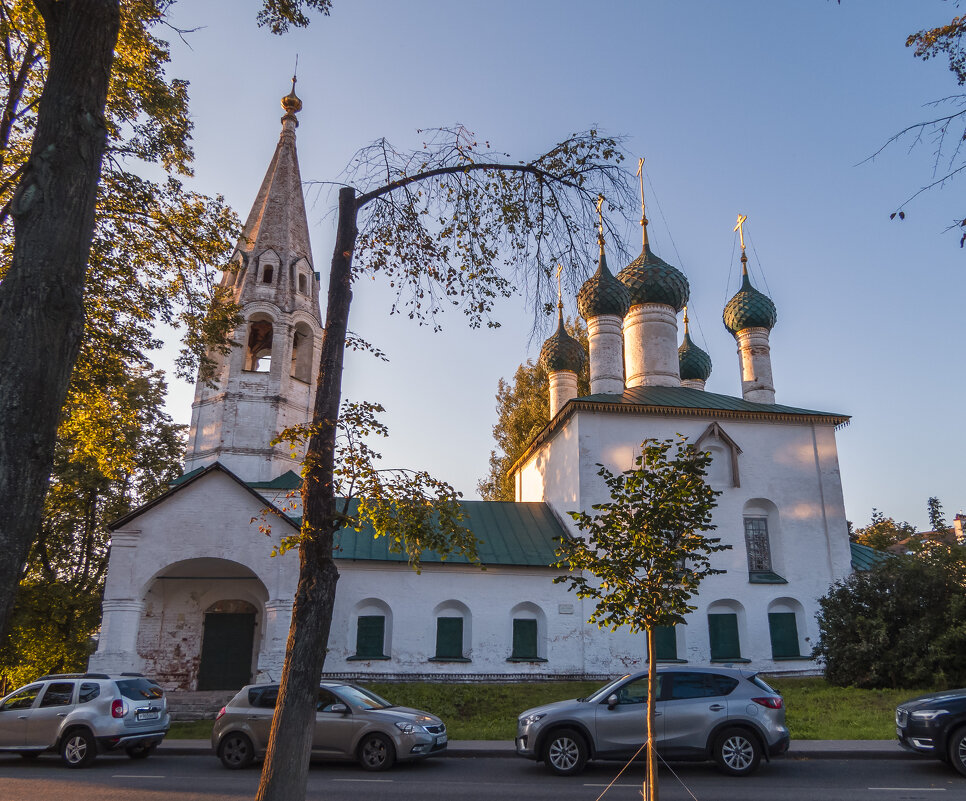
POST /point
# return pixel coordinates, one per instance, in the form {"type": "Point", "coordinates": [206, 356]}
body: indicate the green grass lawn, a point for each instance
{"type": "Point", "coordinates": [816, 710]}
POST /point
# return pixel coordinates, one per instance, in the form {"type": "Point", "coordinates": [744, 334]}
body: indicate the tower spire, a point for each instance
{"type": "Point", "coordinates": [740, 228]}
{"type": "Point", "coordinates": [640, 174]}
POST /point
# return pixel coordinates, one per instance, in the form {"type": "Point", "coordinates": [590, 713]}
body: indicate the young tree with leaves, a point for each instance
{"type": "Point", "coordinates": [645, 551]}
{"type": "Point", "coordinates": [882, 532]}
{"type": "Point", "coordinates": [523, 409]}
{"type": "Point", "coordinates": [84, 84]}
{"type": "Point", "coordinates": [452, 224]}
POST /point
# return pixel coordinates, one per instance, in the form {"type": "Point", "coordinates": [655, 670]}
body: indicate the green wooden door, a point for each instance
{"type": "Point", "coordinates": [723, 632]}
{"type": "Point", "coordinates": [784, 635]}
{"type": "Point", "coordinates": [226, 651]}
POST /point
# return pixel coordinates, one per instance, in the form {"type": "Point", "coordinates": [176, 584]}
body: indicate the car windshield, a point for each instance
{"type": "Point", "coordinates": [607, 689]}
{"type": "Point", "coordinates": [364, 699]}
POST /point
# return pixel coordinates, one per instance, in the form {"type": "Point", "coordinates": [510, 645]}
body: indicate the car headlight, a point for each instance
{"type": "Point", "coordinates": [408, 728]}
{"type": "Point", "coordinates": [529, 720]}
{"type": "Point", "coordinates": [928, 714]}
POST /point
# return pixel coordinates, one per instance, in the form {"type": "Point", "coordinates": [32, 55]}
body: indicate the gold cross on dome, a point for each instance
{"type": "Point", "coordinates": [559, 293]}
{"type": "Point", "coordinates": [600, 214]}
{"type": "Point", "coordinates": [640, 174]}
{"type": "Point", "coordinates": [739, 227]}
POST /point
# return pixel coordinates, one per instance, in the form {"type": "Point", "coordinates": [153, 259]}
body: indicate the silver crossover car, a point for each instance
{"type": "Point", "coordinates": [729, 715]}
{"type": "Point", "coordinates": [350, 723]}
{"type": "Point", "coordinates": [83, 714]}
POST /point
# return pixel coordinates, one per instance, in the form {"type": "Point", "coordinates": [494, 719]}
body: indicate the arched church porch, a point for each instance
{"type": "Point", "coordinates": [202, 625]}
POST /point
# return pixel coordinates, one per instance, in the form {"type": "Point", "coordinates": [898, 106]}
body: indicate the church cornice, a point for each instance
{"type": "Point", "coordinates": [662, 410]}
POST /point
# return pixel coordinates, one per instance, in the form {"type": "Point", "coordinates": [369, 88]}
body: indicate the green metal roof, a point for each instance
{"type": "Point", "coordinates": [749, 308]}
{"type": "Point", "coordinates": [687, 398]}
{"type": "Point", "coordinates": [865, 558]}
{"type": "Point", "coordinates": [562, 351]}
{"type": "Point", "coordinates": [509, 533]}
{"type": "Point", "coordinates": [186, 477]}
{"type": "Point", "coordinates": [286, 481]}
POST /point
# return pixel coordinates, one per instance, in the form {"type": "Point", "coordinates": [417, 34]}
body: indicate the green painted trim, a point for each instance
{"type": "Point", "coordinates": [449, 659]}
{"type": "Point", "coordinates": [524, 659]}
{"type": "Point", "coordinates": [767, 577]}
{"type": "Point", "coordinates": [367, 658]}
{"type": "Point", "coordinates": [672, 661]}
{"type": "Point", "coordinates": [740, 660]}
{"type": "Point", "coordinates": [793, 658]}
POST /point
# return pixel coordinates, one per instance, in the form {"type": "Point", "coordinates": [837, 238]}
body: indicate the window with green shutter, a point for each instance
{"type": "Point", "coordinates": [449, 638]}
{"type": "Point", "coordinates": [784, 635]}
{"type": "Point", "coordinates": [370, 637]}
{"type": "Point", "coordinates": [524, 639]}
{"type": "Point", "coordinates": [666, 643]}
{"type": "Point", "coordinates": [723, 633]}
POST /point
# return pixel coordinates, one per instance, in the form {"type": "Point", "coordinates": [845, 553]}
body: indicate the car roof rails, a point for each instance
{"type": "Point", "coordinates": [74, 676]}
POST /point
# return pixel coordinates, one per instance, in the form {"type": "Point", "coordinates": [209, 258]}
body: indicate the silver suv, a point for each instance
{"type": "Point", "coordinates": [84, 714]}
{"type": "Point", "coordinates": [729, 715]}
{"type": "Point", "coordinates": [350, 723]}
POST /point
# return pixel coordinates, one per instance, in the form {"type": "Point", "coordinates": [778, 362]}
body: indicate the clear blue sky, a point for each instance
{"type": "Point", "coordinates": [767, 108]}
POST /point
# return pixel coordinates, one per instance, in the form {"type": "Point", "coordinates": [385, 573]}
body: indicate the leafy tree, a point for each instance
{"type": "Point", "coordinates": [882, 532]}
{"type": "Point", "coordinates": [646, 551]}
{"type": "Point", "coordinates": [84, 84]}
{"type": "Point", "coordinates": [58, 604]}
{"type": "Point", "coordinates": [937, 519]}
{"type": "Point", "coordinates": [523, 409]}
{"type": "Point", "coordinates": [901, 624]}
{"type": "Point", "coordinates": [449, 225]}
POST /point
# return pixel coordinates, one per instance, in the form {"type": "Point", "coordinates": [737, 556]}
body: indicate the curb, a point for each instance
{"type": "Point", "coordinates": [483, 749]}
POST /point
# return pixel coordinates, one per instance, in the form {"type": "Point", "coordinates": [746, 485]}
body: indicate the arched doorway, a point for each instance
{"type": "Point", "coordinates": [226, 646]}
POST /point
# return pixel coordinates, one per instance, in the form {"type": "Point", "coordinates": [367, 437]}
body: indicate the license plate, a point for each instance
{"type": "Point", "coordinates": [441, 739]}
{"type": "Point", "coordinates": [148, 715]}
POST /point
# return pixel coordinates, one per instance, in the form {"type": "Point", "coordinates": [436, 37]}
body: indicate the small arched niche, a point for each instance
{"type": "Point", "coordinates": [302, 352]}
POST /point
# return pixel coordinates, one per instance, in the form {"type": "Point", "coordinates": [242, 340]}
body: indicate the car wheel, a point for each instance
{"type": "Point", "coordinates": [565, 752]}
{"type": "Point", "coordinates": [236, 751]}
{"type": "Point", "coordinates": [737, 752]}
{"type": "Point", "coordinates": [957, 750]}
{"type": "Point", "coordinates": [78, 748]}
{"type": "Point", "coordinates": [141, 751]}
{"type": "Point", "coordinates": [376, 752]}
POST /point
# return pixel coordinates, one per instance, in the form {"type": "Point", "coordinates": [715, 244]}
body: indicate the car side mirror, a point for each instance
{"type": "Point", "coordinates": [612, 700]}
{"type": "Point", "coordinates": [339, 709]}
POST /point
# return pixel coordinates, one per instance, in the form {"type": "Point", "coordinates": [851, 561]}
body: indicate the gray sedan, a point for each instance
{"type": "Point", "coordinates": [350, 723]}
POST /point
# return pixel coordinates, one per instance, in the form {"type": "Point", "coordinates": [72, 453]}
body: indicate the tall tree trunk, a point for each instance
{"type": "Point", "coordinates": [650, 785]}
{"type": "Point", "coordinates": [41, 296]}
{"type": "Point", "coordinates": [285, 773]}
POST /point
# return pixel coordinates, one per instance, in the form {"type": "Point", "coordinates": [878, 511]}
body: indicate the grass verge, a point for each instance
{"type": "Point", "coordinates": [815, 709]}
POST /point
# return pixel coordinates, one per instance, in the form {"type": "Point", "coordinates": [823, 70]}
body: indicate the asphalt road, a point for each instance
{"type": "Point", "coordinates": [180, 778]}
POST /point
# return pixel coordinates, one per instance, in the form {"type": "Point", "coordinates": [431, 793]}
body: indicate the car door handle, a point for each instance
{"type": "Point", "coordinates": [21, 717]}
{"type": "Point", "coordinates": [716, 707]}
{"type": "Point", "coordinates": [62, 714]}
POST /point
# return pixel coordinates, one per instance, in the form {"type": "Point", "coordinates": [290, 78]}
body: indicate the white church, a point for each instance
{"type": "Point", "coordinates": [195, 599]}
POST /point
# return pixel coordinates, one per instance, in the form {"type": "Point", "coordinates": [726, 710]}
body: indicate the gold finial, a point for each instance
{"type": "Point", "coordinates": [559, 293]}
{"type": "Point", "coordinates": [640, 174]}
{"type": "Point", "coordinates": [685, 319]}
{"type": "Point", "coordinates": [739, 227]}
{"type": "Point", "coordinates": [291, 102]}
{"type": "Point", "coordinates": [600, 224]}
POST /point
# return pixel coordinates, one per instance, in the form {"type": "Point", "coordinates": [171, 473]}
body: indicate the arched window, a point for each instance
{"type": "Point", "coordinates": [761, 526]}
{"type": "Point", "coordinates": [725, 621]}
{"type": "Point", "coordinates": [302, 283]}
{"type": "Point", "coordinates": [373, 619]}
{"type": "Point", "coordinates": [268, 273]}
{"type": "Point", "coordinates": [302, 352]}
{"type": "Point", "coordinates": [528, 633]}
{"type": "Point", "coordinates": [784, 615]}
{"type": "Point", "coordinates": [259, 355]}
{"type": "Point", "coordinates": [452, 632]}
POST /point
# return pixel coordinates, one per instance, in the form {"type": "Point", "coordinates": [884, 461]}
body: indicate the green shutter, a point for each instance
{"type": "Point", "coordinates": [370, 636]}
{"type": "Point", "coordinates": [665, 643]}
{"type": "Point", "coordinates": [784, 634]}
{"type": "Point", "coordinates": [723, 632]}
{"type": "Point", "coordinates": [524, 639]}
{"type": "Point", "coordinates": [449, 638]}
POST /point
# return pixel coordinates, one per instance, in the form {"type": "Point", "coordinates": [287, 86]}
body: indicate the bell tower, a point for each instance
{"type": "Point", "coordinates": [267, 382]}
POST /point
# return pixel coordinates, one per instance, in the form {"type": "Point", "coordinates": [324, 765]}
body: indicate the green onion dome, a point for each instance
{"type": "Point", "coordinates": [650, 279]}
{"type": "Point", "coordinates": [695, 364]}
{"type": "Point", "coordinates": [603, 294]}
{"type": "Point", "coordinates": [562, 351]}
{"type": "Point", "coordinates": [749, 308]}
